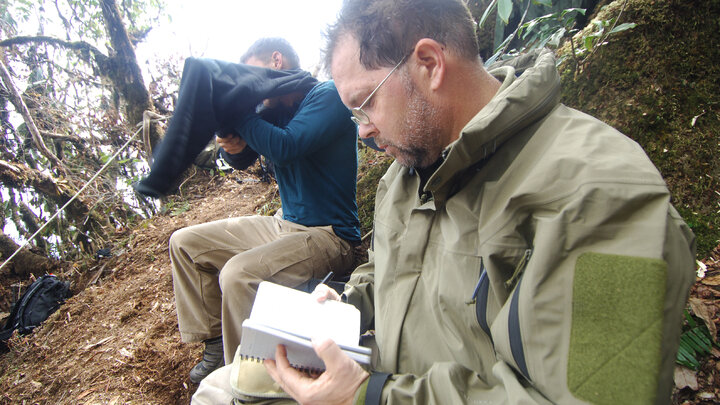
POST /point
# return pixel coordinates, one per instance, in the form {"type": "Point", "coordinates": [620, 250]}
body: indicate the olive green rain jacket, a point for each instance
{"type": "Point", "coordinates": [541, 263]}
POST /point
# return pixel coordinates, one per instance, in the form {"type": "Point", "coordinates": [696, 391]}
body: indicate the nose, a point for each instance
{"type": "Point", "coordinates": [367, 135]}
{"type": "Point", "coordinates": [367, 131]}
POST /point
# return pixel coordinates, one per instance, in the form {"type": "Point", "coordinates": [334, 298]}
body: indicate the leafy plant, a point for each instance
{"type": "Point", "coordinates": [695, 343]}
{"type": "Point", "coordinates": [597, 38]}
{"type": "Point", "coordinates": [549, 29]}
{"type": "Point", "coordinates": [174, 208]}
{"type": "Point", "coordinates": [270, 207]}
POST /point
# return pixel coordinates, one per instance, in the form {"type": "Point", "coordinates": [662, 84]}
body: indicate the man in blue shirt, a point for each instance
{"type": "Point", "coordinates": [217, 266]}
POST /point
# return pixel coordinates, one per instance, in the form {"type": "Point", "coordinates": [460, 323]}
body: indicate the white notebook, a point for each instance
{"type": "Point", "coordinates": [282, 315]}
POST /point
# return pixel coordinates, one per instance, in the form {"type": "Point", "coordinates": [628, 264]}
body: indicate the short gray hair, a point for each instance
{"type": "Point", "coordinates": [387, 30]}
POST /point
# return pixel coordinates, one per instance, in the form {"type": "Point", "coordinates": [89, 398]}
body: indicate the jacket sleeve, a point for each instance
{"type": "Point", "coordinates": [242, 160]}
{"type": "Point", "coordinates": [320, 118]}
{"type": "Point", "coordinates": [594, 315]}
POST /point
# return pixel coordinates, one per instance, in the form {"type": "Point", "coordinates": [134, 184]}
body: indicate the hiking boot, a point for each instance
{"type": "Point", "coordinates": [211, 361]}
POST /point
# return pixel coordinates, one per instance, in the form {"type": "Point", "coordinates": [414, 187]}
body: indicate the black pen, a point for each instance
{"type": "Point", "coordinates": [327, 278]}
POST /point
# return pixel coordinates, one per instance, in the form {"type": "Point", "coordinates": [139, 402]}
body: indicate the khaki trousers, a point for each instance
{"type": "Point", "coordinates": [218, 266]}
{"type": "Point", "coordinates": [216, 389]}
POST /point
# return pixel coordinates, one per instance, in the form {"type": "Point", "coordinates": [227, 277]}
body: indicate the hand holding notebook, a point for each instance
{"type": "Point", "coordinates": [282, 315]}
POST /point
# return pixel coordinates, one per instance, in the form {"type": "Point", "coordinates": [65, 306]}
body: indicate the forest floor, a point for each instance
{"type": "Point", "coordinates": [116, 340]}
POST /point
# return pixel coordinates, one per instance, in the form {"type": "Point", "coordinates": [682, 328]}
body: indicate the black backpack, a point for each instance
{"type": "Point", "coordinates": [42, 298]}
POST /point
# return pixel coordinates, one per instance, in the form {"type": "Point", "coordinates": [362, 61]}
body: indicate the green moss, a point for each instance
{"type": "Point", "coordinates": [373, 166]}
{"type": "Point", "coordinates": [657, 83]}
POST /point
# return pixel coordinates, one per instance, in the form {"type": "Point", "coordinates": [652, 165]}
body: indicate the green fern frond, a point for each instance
{"type": "Point", "coordinates": [695, 343]}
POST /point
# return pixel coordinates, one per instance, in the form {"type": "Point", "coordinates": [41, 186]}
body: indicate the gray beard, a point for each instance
{"type": "Point", "coordinates": [422, 131]}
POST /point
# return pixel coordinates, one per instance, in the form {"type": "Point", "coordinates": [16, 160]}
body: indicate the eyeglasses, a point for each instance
{"type": "Point", "coordinates": [360, 116]}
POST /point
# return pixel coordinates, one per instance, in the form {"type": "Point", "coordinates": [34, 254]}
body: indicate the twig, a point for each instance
{"type": "Point", "coordinates": [512, 36]}
{"type": "Point", "coordinates": [186, 180]}
{"type": "Point", "coordinates": [98, 274]}
{"type": "Point", "coordinates": [586, 60]}
{"type": "Point", "coordinates": [575, 58]}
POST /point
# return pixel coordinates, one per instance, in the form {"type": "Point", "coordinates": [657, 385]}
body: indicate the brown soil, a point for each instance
{"type": "Point", "coordinates": [116, 340]}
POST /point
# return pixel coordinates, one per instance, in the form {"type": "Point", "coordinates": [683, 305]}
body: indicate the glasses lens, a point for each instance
{"type": "Point", "coordinates": [359, 116]}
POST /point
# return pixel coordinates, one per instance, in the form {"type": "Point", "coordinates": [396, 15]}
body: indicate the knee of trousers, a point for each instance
{"type": "Point", "coordinates": [178, 239]}
{"type": "Point", "coordinates": [236, 278]}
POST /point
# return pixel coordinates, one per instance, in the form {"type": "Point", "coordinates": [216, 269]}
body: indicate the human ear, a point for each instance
{"type": "Point", "coordinates": [276, 60]}
{"type": "Point", "coordinates": [430, 61]}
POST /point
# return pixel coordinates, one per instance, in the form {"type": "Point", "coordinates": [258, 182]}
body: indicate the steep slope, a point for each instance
{"type": "Point", "coordinates": [116, 341]}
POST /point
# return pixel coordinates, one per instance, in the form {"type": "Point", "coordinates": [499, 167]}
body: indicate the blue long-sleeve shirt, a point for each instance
{"type": "Point", "coordinates": [315, 160]}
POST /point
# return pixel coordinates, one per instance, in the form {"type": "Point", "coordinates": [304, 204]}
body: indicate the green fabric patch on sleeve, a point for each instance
{"type": "Point", "coordinates": [616, 333]}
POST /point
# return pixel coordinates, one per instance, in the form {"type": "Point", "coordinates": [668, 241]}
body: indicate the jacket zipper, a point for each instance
{"type": "Point", "coordinates": [519, 268]}
{"type": "Point", "coordinates": [516, 345]}
{"type": "Point", "coordinates": [480, 296]}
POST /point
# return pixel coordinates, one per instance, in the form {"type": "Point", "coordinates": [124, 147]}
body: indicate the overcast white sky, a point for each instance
{"type": "Point", "coordinates": [224, 29]}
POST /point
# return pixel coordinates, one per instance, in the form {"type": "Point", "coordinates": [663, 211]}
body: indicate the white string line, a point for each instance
{"type": "Point", "coordinates": [72, 199]}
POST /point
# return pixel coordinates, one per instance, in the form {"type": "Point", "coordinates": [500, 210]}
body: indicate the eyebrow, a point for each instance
{"type": "Point", "coordinates": [353, 99]}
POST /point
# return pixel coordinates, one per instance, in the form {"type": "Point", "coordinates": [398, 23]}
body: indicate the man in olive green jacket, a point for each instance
{"type": "Point", "coordinates": [523, 252]}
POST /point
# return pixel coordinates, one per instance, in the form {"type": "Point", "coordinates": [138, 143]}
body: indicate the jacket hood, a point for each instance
{"type": "Point", "coordinates": [520, 102]}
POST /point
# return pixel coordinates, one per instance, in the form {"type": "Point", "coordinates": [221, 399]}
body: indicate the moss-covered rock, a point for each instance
{"type": "Point", "coordinates": [658, 84]}
{"type": "Point", "coordinates": [372, 166]}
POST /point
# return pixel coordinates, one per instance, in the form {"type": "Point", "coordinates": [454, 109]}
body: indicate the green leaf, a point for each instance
{"type": "Point", "coordinates": [504, 10]}
{"type": "Point", "coordinates": [623, 27]}
{"type": "Point", "coordinates": [703, 342]}
{"type": "Point", "coordinates": [555, 38]}
{"type": "Point", "coordinates": [692, 343]}
{"type": "Point", "coordinates": [600, 24]}
{"type": "Point", "coordinates": [687, 358]}
{"type": "Point", "coordinates": [570, 10]}
{"type": "Point", "coordinates": [695, 342]}
{"type": "Point", "coordinates": [489, 8]}
{"type": "Point", "coordinates": [547, 3]}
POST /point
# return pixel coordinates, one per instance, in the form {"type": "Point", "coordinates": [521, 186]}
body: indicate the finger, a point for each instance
{"type": "Point", "coordinates": [331, 354]}
{"type": "Point", "coordinates": [271, 368]}
{"type": "Point", "coordinates": [290, 379]}
{"type": "Point", "coordinates": [323, 292]}
{"type": "Point", "coordinates": [277, 371]}
{"type": "Point", "coordinates": [281, 358]}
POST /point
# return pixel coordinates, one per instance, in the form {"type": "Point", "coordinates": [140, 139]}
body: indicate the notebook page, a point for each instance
{"type": "Point", "coordinates": [298, 313]}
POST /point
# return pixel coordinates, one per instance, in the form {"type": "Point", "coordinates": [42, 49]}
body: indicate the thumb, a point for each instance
{"type": "Point", "coordinates": [330, 353]}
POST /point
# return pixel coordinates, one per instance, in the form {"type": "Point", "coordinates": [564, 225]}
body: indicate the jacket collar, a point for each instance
{"type": "Point", "coordinates": [519, 102]}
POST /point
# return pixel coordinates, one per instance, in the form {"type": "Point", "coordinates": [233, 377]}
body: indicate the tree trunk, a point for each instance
{"type": "Point", "coordinates": [124, 71]}
{"type": "Point", "coordinates": [19, 176]}
{"type": "Point", "coordinates": [25, 262]}
{"type": "Point", "coordinates": [32, 223]}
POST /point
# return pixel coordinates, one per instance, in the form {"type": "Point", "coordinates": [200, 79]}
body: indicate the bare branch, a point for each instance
{"type": "Point", "coordinates": [74, 139]}
{"type": "Point", "coordinates": [66, 23]}
{"type": "Point", "coordinates": [17, 101]}
{"type": "Point", "coordinates": [82, 46]}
